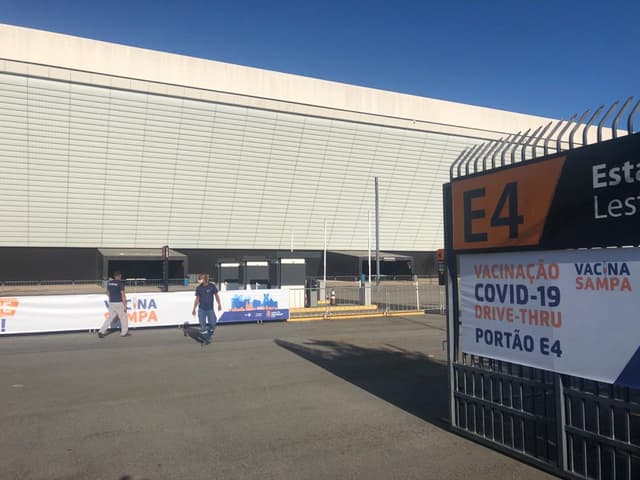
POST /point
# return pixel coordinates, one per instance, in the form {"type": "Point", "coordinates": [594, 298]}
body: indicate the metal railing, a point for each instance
{"type": "Point", "coordinates": [580, 428]}
{"type": "Point", "coordinates": [383, 299]}
{"type": "Point", "coordinates": [383, 278]}
{"type": "Point", "coordinates": [71, 287]}
{"type": "Point", "coordinates": [388, 297]}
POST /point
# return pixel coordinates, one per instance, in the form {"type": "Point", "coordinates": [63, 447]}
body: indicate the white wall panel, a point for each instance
{"type": "Point", "coordinates": [92, 166]}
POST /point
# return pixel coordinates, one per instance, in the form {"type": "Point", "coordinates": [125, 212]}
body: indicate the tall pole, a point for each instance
{"type": "Point", "coordinates": [369, 243]}
{"type": "Point", "coordinates": [377, 236]}
{"type": "Point", "coordinates": [292, 239]}
{"type": "Point", "coordinates": [165, 268]}
{"type": "Point", "coordinates": [324, 260]}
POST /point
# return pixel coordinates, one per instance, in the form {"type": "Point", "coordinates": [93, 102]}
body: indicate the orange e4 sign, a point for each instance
{"type": "Point", "coordinates": [507, 208]}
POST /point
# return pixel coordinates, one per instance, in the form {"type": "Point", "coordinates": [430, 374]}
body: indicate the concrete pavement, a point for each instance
{"type": "Point", "coordinates": [318, 400]}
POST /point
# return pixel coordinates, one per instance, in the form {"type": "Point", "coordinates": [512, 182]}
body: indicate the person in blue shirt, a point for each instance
{"type": "Point", "coordinates": [205, 293]}
{"type": "Point", "coordinates": [117, 306]}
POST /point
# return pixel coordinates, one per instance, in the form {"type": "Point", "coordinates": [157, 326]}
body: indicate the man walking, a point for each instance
{"type": "Point", "coordinates": [205, 292]}
{"type": "Point", "coordinates": [117, 306]}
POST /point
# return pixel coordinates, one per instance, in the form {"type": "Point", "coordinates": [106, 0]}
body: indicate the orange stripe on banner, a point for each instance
{"type": "Point", "coordinates": [8, 306]}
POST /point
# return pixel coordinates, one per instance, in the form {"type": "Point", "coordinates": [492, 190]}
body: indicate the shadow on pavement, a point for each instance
{"type": "Point", "coordinates": [409, 380]}
{"type": "Point", "coordinates": [195, 334]}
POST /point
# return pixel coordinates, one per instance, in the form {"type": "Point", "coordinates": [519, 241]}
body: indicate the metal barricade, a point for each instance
{"type": "Point", "coordinates": [344, 298]}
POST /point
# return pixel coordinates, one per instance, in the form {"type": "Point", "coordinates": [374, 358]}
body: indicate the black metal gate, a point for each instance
{"type": "Point", "coordinates": [569, 426]}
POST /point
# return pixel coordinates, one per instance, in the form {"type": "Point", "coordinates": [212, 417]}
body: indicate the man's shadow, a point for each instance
{"type": "Point", "coordinates": [196, 334]}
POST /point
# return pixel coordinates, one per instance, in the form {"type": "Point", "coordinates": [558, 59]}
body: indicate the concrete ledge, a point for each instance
{"type": "Point", "coordinates": [337, 308]}
{"type": "Point", "coordinates": [355, 316]}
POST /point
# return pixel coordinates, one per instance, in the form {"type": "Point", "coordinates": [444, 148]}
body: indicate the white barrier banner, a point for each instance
{"type": "Point", "coordinates": [55, 313]}
{"type": "Point", "coordinates": [572, 311]}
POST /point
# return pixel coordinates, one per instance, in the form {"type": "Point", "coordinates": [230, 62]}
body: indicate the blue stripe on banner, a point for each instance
{"type": "Point", "coordinates": [276, 315]}
{"type": "Point", "coordinates": [630, 376]}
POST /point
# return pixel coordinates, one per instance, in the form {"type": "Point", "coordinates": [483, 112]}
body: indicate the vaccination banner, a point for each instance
{"type": "Point", "coordinates": [254, 305]}
{"type": "Point", "coordinates": [575, 311]}
{"type": "Point", "coordinates": [56, 313]}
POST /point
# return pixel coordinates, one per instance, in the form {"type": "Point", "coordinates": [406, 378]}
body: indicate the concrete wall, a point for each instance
{"type": "Point", "coordinates": [53, 55]}
{"type": "Point", "coordinates": [88, 166]}
{"type": "Point", "coordinates": [110, 145]}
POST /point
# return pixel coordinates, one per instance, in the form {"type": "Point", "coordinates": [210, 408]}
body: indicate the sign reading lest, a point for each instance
{"type": "Point", "coordinates": [587, 197]}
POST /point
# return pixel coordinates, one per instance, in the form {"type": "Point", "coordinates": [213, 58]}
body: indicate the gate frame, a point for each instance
{"type": "Point", "coordinates": [563, 463]}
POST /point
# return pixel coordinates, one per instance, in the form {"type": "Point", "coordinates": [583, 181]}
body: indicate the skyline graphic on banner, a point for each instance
{"type": "Point", "coordinates": [245, 303]}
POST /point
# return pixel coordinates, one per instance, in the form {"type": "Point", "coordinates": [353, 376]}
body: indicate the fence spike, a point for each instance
{"type": "Point", "coordinates": [500, 147]}
{"type": "Point", "coordinates": [634, 110]}
{"type": "Point", "coordinates": [614, 126]}
{"type": "Point", "coordinates": [532, 137]}
{"type": "Point", "coordinates": [504, 152]}
{"type": "Point", "coordinates": [465, 159]}
{"type": "Point", "coordinates": [476, 157]}
{"type": "Point", "coordinates": [585, 130]}
{"type": "Point", "coordinates": [604, 119]}
{"type": "Point", "coordinates": [563, 131]}
{"type": "Point", "coordinates": [534, 146]}
{"type": "Point", "coordinates": [482, 153]}
{"type": "Point", "coordinates": [453, 165]}
{"type": "Point", "coordinates": [513, 152]}
{"type": "Point", "coordinates": [575, 129]}
{"type": "Point", "coordinates": [496, 144]}
{"type": "Point", "coordinates": [550, 136]}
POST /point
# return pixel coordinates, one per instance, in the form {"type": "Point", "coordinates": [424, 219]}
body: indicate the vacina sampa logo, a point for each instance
{"type": "Point", "coordinates": [609, 276]}
{"type": "Point", "coordinates": [139, 310]}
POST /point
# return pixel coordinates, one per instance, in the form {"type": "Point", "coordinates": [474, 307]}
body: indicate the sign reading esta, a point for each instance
{"type": "Point", "coordinates": [605, 176]}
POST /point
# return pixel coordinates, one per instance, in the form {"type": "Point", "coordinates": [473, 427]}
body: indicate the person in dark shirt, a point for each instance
{"type": "Point", "coordinates": [205, 293]}
{"type": "Point", "coordinates": [117, 306]}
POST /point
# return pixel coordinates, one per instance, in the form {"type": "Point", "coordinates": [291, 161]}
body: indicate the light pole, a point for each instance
{"type": "Point", "coordinates": [324, 259]}
{"type": "Point", "coordinates": [377, 235]}
{"type": "Point", "coordinates": [369, 243]}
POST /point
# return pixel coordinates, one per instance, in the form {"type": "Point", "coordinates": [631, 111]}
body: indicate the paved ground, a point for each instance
{"type": "Point", "coordinates": [316, 400]}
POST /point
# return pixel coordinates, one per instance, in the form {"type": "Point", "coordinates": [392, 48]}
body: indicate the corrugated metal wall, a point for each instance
{"type": "Point", "coordinates": [85, 166]}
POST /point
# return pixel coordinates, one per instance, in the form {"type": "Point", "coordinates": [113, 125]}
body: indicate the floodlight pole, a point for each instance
{"type": "Point", "coordinates": [369, 243]}
{"type": "Point", "coordinates": [324, 269]}
{"type": "Point", "coordinates": [165, 268]}
{"type": "Point", "coordinates": [377, 234]}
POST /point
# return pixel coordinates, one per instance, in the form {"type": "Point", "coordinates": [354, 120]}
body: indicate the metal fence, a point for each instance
{"type": "Point", "coordinates": [71, 287]}
{"type": "Point", "coordinates": [572, 426]}
{"type": "Point", "coordinates": [390, 296]}
{"type": "Point", "coordinates": [383, 298]}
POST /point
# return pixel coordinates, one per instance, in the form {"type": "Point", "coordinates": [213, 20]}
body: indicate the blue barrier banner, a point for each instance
{"type": "Point", "coordinates": [254, 305]}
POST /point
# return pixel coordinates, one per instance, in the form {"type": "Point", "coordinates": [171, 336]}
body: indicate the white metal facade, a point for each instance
{"type": "Point", "coordinates": [85, 164]}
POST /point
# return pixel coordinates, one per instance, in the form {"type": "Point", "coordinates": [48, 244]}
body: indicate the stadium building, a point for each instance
{"type": "Point", "coordinates": [108, 152]}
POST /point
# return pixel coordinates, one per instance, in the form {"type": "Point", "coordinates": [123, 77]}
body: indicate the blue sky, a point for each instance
{"type": "Point", "coordinates": [543, 57]}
